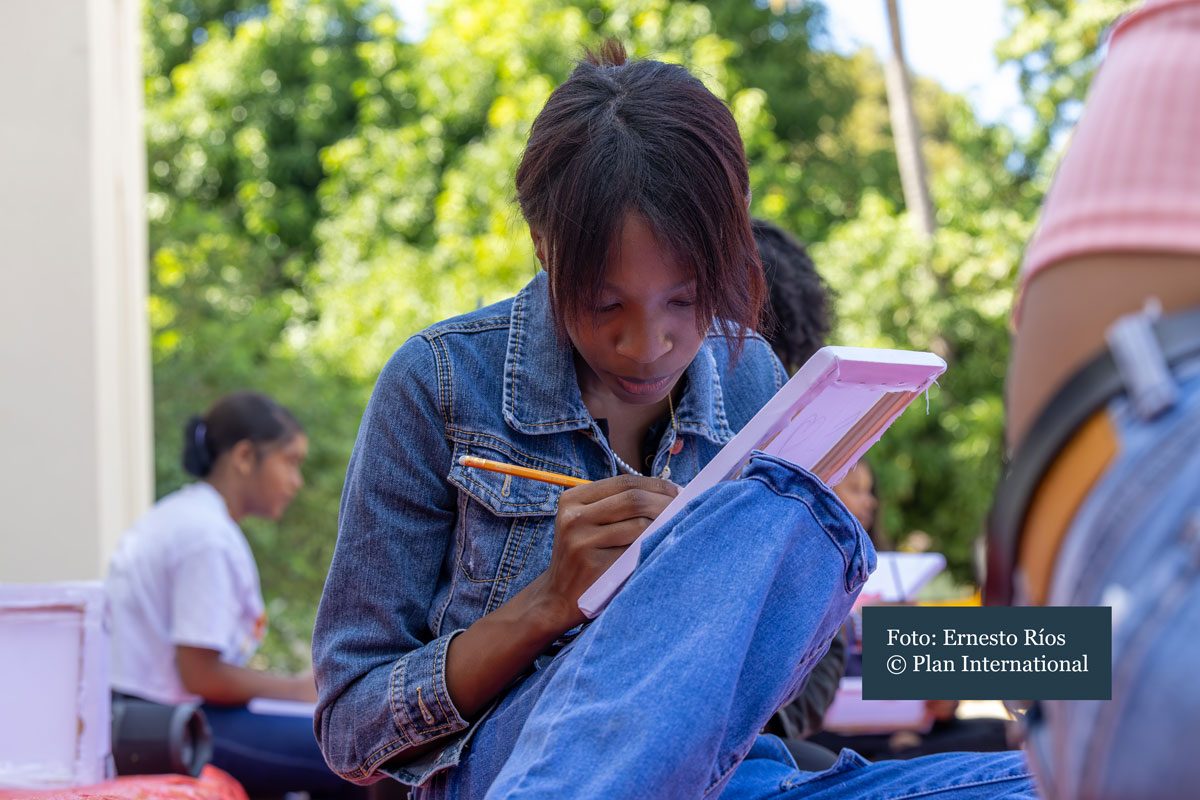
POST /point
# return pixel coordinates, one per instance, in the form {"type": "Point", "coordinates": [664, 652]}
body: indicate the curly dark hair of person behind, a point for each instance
{"type": "Point", "coordinates": [801, 313]}
{"type": "Point", "coordinates": [644, 137]}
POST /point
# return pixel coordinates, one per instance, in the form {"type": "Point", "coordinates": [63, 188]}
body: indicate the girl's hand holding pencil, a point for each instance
{"type": "Point", "coordinates": [596, 521]}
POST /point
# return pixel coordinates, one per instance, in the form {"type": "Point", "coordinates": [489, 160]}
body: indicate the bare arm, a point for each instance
{"type": "Point", "coordinates": [204, 673]}
{"type": "Point", "coordinates": [1058, 333]}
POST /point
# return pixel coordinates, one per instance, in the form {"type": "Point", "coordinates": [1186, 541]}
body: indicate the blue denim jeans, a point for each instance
{"type": "Point", "coordinates": [1134, 545]}
{"type": "Point", "coordinates": [665, 693]}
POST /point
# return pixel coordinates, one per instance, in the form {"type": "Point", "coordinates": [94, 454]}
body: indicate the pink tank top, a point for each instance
{"type": "Point", "coordinates": [1130, 180]}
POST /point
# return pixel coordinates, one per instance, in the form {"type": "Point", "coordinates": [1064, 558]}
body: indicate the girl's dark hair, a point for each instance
{"type": "Point", "coordinates": [241, 415]}
{"type": "Point", "coordinates": [801, 313]}
{"type": "Point", "coordinates": [648, 138]}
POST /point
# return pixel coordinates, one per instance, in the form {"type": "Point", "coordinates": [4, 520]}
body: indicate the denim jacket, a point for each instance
{"type": "Point", "coordinates": [426, 547]}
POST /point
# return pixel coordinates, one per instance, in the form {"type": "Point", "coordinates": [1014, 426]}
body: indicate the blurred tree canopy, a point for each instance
{"type": "Point", "coordinates": [1056, 45]}
{"type": "Point", "coordinates": [322, 186]}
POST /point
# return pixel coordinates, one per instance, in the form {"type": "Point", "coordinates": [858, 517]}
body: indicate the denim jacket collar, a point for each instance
{"type": "Point", "coordinates": [541, 392]}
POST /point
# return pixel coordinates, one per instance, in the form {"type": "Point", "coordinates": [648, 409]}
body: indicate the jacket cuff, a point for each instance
{"type": "Point", "coordinates": [421, 704]}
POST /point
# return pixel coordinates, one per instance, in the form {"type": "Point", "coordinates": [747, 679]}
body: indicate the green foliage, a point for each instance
{"type": "Point", "coordinates": [321, 188]}
{"type": "Point", "coordinates": [1055, 45]}
{"type": "Point", "coordinates": [935, 470]}
{"type": "Point", "coordinates": [951, 295]}
{"type": "Point", "coordinates": [241, 100]}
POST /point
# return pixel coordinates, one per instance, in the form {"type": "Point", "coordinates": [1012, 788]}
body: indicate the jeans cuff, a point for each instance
{"type": "Point", "coordinates": [790, 480]}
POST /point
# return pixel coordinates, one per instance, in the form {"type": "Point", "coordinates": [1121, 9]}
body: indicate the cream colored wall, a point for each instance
{"type": "Point", "coordinates": [75, 415]}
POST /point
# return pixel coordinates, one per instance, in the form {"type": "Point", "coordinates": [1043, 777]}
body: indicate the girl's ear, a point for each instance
{"type": "Point", "coordinates": [539, 246]}
{"type": "Point", "coordinates": [243, 457]}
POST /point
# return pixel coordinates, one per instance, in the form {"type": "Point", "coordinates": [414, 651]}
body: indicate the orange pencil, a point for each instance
{"type": "Point", "coordinates": [522, 472]}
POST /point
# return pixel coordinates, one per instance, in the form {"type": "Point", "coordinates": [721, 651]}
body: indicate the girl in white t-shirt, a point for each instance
{"type": "Point", "coordinates": [187, 610]}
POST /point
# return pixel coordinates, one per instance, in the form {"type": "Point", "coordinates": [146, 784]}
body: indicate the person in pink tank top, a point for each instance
{"type": "Point", "coordinates": [1100, 500]}
{"type": "Point", "coordinates": [1121, 223]}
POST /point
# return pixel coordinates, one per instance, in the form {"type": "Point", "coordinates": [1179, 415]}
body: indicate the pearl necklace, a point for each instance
{"type": "Point", "coordinates": [666, 470]}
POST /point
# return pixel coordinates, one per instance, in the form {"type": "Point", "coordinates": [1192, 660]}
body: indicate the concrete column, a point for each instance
{"type": "Point", "coordinates": [76, 446]}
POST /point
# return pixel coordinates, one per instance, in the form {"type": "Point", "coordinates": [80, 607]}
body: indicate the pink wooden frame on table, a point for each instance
{"type": "Point", "coordinates": [54, 696]}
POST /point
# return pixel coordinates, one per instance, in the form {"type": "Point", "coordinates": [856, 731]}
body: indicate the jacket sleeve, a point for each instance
{"type": "Point", "coordinates": [380, 673]}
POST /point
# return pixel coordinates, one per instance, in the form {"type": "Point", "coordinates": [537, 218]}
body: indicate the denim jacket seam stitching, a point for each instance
{"type": "Point", "coordinates": [575, 421]}
{"type": "Point", "coordinates": [459, 434]}
{"type": "Point", "coordinates": [378, 756]}
{"type": "Point", "coordinates": [500, 576]}
{"type": "Point", "coordinates": [800, 780]}
{"type": "Point", "coordinates": [400, 716]}
{"type": "Point", "coordinates": [433, 344]}
{"type": "Point", "coordinates": [439, 684]}
{"type": "Point", "coordinates": [722, 420]}
{"type": "Point", "coordinates": [482, 581]}
{"type": "Point", "coordinates": [473, 326]}
{"type": "Point", "coordinates": [752, 336]}
{"type": "Point", "coordinates": [510, 375]}
{"type": "Point", "coordinates": [718, 400]}
{"type": "Point", "coordinates": [469, 326]}
{"type": "Point", "coordinates": [361, 771]}
{"type": "Point", "coordinates": [527, 507]}
{"type": "Point", "coordinates": [445, 381]}
{"type": "Point", "coordinates": [492, 602]}
{"type": "Point", "coordinates": [430, 342]}
{"type": "Point", "coordinates": [436, 677]}
{"type": "Point", "coordinates": [504, 573]}
{"type": "Point", "coordinates": [440, 615]}
{"type": "Point", "coordinates": [514, 569]}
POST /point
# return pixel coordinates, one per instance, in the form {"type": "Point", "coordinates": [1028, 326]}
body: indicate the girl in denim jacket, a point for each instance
{"type": "Point", "coordinates": [449, 650]}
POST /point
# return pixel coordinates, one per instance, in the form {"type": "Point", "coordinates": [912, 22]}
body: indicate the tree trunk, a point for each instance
{"type": "Point", "coordinates": [906, 132]}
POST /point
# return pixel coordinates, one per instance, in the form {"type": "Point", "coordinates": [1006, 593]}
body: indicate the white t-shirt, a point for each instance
{"type": "Point", "coordinates": [182, 575]}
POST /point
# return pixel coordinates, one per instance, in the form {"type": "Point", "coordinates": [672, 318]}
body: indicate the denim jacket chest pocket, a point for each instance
{"type": "Point", "coordinates": [505, 528]}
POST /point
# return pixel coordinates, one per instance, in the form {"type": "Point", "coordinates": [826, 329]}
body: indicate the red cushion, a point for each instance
{"type": "Point", "coordinates": [213, 784]}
